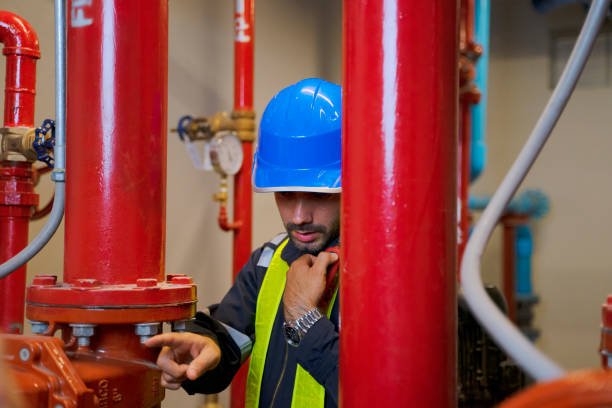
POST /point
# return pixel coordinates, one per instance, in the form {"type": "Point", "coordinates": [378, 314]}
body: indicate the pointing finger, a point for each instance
{"type": "Point", "coordinates": [165, 339]}
{"type": "Point", "coordinates": [167, 363]}
{"type": "Point", "coordinates": [206, 360]}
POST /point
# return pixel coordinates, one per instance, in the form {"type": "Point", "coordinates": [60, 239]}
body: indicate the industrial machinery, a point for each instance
{"type": "Point", "coordinates": [107, 148]}
{"type": "Point", "coordinates": [114, 293]}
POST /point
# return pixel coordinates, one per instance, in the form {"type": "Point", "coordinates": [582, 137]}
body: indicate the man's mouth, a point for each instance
{"type": "Point", "coordinates": [305, 236]}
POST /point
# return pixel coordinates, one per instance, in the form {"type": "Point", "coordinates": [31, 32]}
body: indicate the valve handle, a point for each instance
{"type": "Point", "coordinates": [181, 128]}
{"type": "Point", "coordinates": [42, 145]}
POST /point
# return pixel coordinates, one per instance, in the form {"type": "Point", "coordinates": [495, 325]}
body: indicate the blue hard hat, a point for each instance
{"type": "Point", "coordinates": [299, 146]}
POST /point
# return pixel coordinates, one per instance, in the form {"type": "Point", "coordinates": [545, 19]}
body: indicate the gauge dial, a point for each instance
{"type": "Point", "coordinates": [226, 153]}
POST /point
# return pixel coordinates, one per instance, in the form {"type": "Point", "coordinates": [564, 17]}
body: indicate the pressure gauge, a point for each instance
{"type": "Point", "coordinates": [226, 153]}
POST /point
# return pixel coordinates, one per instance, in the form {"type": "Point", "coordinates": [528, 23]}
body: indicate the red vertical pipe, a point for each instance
{"type": "Point", "coordinates": [21, 51]}
{"type": "Point", "coordinates": [468, 96]}
{"type": "Point", "coordinates": [244, 20]}
{"type": "Point", "coordinates": [17, 196]}
{"type": "Point", "coordinates": [399, 176]}
{"type": "Point", "coordinates": [116, 191]}
{"type": "Point", "coordinates": [464, 148]}
{"type": "Point", "coordinates": [509, 266]}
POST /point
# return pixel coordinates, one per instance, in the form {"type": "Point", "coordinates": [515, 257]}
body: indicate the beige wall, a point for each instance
{"type": "Point", "coordinates": [572, 261]}
{"type": "Point", "coordinates": [290, 44]}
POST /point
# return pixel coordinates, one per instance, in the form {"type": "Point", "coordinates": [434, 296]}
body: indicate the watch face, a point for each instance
{"type": "Point", "coordinates": [292, 334]}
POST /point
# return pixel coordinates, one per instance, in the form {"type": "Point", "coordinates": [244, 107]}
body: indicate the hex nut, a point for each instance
{"type": "Point", "coordinates": [82, 329]}
{"type": "Point", "coordinates": [39, 327]}
{"type": "Point", "coordinates": [179, 326]}
{"type": "Point", "coordinates": [147, 329]}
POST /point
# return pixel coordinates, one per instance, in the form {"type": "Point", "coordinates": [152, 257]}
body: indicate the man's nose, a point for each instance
{"type": "Point", "coordinates": [302, 213]}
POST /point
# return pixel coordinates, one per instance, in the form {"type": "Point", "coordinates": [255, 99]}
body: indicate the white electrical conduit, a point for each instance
{"type": "Point", "coordinates": [505, 334]}
{"type": "Point", "coordinates": [59, 152]}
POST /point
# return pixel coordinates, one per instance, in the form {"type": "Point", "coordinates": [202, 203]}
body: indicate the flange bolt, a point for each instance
{"type": "Point", "coordinates": [146, 330]}
{"type": "Point", "coordinates": [82, 332]}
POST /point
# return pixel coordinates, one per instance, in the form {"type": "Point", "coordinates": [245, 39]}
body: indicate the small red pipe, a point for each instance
{"type": "Point", "coordinates": [21, 50]}
{"type": "Point", "coordinates": [399, 204]}
{"type": "Point", "coordinates": [244, 23]}
{"type": "Point", "coordinates": [16, 182]}
{"type": "Point", "coordinates": [468, 95]}
{"type": "Point", "coordinates": [465, 130]}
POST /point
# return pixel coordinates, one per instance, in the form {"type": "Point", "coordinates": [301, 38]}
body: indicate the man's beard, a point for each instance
{"type": "Point", "coordinates": [318, 245]}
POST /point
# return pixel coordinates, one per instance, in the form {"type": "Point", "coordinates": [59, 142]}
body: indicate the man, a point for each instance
{"type": "Point", "coordinates": [276, 299]}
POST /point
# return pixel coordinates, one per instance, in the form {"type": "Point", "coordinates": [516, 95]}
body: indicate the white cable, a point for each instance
{"type": "Point", "coordinates": [505, 334]}
{"type": "Point", "coordinates": [59, 152]}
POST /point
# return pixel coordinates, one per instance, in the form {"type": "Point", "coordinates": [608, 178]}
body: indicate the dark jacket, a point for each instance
{"type": "Point", "coordinates": [317, 353]}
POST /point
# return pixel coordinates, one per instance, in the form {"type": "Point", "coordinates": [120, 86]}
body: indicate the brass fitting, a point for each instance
{"type": "Point", "coordinates": [204, 128]}
{"type": "Point", "coordinates": [221, 196]}
{"type": "Point", "coordinates": [244, 125]}
{"type": "Point", "coordinates": [16, 143]}
{"type": "Point", "coordinates": [221, 121]}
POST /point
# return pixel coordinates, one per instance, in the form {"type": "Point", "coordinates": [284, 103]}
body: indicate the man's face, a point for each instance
{"type": "Point", "coordinates": [312, 220]}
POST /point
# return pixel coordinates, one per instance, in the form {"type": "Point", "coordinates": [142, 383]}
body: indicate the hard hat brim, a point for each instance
{"type": "Point", "coordinates": [267, 179]}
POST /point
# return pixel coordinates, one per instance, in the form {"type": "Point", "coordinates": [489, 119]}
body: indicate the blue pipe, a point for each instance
{"type": "Point", "coordinates": [524, 249]}
{"type": "Point", "coordinates": [532, 203]}
{"type": "Point", "coordinates": [479, 111]}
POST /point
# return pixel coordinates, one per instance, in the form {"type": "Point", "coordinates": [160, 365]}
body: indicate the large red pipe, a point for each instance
{"type": "Point", "coordinates": [244, 21]}
{"type": "Point", "coordinates": [116, 191]}
{"type": "Point", "coordinates": [16, 187]}
{"type": "Point", "coordinates": [398, 296]}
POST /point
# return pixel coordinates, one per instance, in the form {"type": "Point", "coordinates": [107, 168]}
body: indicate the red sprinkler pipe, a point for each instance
{"type": "Point", "coordinates": [21, 51]}
{"type": "Point", "coordinates": [17, 195]}
{"type": "Point", "coordinates": [468, 95]}
{"type": "Point", "coordinates": [244, 23]}
{"type": "Point", "coordinates": [116, 192]}
{"type": "Point", "coordinates": [399, 176]}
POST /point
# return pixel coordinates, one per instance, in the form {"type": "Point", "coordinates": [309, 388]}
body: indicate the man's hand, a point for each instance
{"type": "Point", "coordinates": [306, 283]}
{"type": "Point", "coordinates": [184, 356]}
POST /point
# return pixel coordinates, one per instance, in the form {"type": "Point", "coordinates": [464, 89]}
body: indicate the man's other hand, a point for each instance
{"type": "Point", "coordinates": [184, 356]}
{"type": "Point", "coordinates": [306, 283]}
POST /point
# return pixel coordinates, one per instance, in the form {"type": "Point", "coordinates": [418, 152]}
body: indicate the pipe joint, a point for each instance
{"type": "Point", "coordinates": [17, 143]}
{"type": "Point", "coordinates": [244, 123]}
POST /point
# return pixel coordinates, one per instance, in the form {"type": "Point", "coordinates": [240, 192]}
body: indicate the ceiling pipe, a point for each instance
{"type": "Point", "coordinates": [399, 203]}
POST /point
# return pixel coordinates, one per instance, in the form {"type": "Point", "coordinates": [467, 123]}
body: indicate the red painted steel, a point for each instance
{"type": "Point", "coordinates": [116, 191]}
{"type": "Point", "coordinates": [399, 176]}
{"type": "Point", "coordinates": [244, 31]}
{"type": "Point", "coordinates": [21, 51]}
{"type": "Point", "coordinates": [113, 371]}
{"type": "Point", "coordinates": [17, 200]}
{"type": "Point", "coordinates": [17, 196]}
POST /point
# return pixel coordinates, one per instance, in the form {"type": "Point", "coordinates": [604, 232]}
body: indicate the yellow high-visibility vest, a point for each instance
{"type": "Point", "coordinates": [307, 392]}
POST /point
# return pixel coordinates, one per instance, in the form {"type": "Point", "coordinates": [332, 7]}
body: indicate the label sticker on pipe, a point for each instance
{"type": "Point", "coordinates": [240, 24]}
{"type": "Point", "coordinates": [77, 13]}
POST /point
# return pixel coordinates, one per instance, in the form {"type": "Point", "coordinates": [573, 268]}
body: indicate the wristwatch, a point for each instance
{"type": "Point", "coordinates": [295, 330]}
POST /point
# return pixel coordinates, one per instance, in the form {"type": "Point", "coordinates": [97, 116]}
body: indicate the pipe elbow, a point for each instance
{"type": "Point", "coordinates": [18, 36]}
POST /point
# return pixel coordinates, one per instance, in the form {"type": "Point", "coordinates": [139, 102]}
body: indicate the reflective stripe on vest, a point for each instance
{"type": "Point", "coordinates": [307, 392]}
